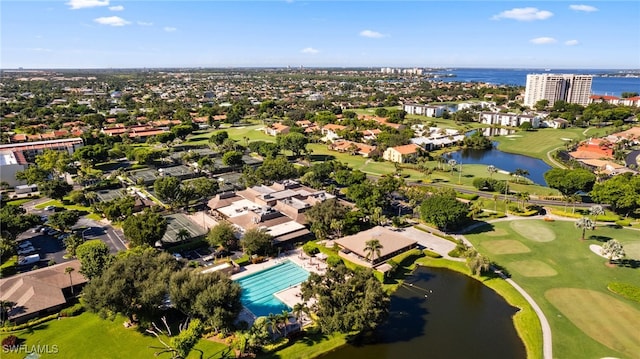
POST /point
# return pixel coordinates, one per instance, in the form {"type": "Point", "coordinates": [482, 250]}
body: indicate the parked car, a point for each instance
{"type": "Point", "coordinates": [63, 235]}
{"type": "Point", "coordinates": [52, 232]}
{"type": "Point", "coordinates": [177, 256]}
{"type": "Point", "coordinates": [26, 250]}
{"type": "Point", "coordinates": [25, 244]}
{"type": "Point", "coordinates": [44, 229]}
{"type": "Point", "coordinates": [50, 208]}
{"type": "Point", "coordinates": [34, 258]}
{"type": "Point", "coordinates": [36, 229]}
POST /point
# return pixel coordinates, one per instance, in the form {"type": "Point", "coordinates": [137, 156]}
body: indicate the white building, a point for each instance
{"type": "Point", "coordinates": [9, 165]}
{"type": "Point", "coordinates": [424, 110]}
{"type": "Point", "coordinates": [508, 119]}
{"type": "Point", "coordinates": [555, 87]}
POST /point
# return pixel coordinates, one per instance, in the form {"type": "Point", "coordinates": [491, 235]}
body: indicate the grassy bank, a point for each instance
{"type": "Point", "coordinates": [525, 321]}
{"type": "Point", "coordinates": [537, 143]}
{"type": "Point", "coordinates": [570, 282]}
{"type": "Point", "coordinates": [89, 336]}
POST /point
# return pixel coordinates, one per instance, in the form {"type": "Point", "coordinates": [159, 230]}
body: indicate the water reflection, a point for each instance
{"type": "Point", "coordinates": [458, 318]}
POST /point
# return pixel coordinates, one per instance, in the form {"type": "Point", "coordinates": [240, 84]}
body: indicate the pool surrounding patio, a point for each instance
{"type": "Point", "coordinates": [258, 288]}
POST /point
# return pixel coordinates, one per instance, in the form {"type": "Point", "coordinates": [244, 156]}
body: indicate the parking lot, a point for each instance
{"type": "Point", "coordinates": [48, 247]}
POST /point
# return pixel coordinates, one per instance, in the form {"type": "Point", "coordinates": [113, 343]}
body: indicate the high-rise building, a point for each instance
{"type": "Point", "coordinates": [555, 87]}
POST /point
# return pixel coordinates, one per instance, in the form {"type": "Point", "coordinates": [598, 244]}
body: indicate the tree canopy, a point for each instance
{"type": "Point", "coordinates": [444, 210]}
{"type": "Point", "coordinates": [346, 301]}
{"type": "Point", "coordinates": [94, 258]}
{"type": "Point", "coordinates": [55, 189]}
{"type": "Point", "coordinates": [622, 192]}
{"type": "Point", "coordinates": [323, 214]}
{"type": "Point", "coordinates": [211, 297]}
{"type": "Point", "coordinates": [145, 228]}
{"type": "Point", "coordinates": [64, 220]}
{"type": "Point", "coordinates": [223, 234]}
{"type": "Point", "coordinates": [135, 284]}
{"type": "Point", "coordinates": [257, 242]}
{"type": "Point", "coordinates": [570, 181]}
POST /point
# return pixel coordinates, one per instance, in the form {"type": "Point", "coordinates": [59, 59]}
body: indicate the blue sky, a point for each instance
{"type": "Point", "coordinates": [147, 33]}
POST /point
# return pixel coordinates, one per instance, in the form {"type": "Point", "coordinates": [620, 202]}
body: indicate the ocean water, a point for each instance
{"type": "Point", "coordinates": [518, 77]}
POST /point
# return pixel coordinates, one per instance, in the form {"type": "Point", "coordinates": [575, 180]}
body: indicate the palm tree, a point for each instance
{"type": "Point", "coordinates": [495, 202]}
{"type": "Point", "coordinates": [298, 309]}
{"type": "Point", "coordinates": [584, 223]}
{"type": "Point", "coordinates": [91, 197]}
{"type": "Point", "coordinates": [575, 199]}
{"type": "Point", "coordinates": [183, 235]}
{"type": "Point", "coordinates": [283, 319]}
{"type": "Point", "coordinates": [491, 169]}
{"type": "Point", "coordinates": [595, 211]}
{"type": "Point", "coordinates": [612, 250]}
{"type": "Point", "coordinates": [372, 249]}
{"type": "Point", "coordinates": [452, 163]}
{"type": "Point", "coordinates": [337, 225]}
{"type": "Point", "coordinates": [521, 173]}
{"type": "Point", "coordinates": [522, 197]}
{"type": "Point", "coordinates": [273, 319]}
{"type": "Point", "coordinates": [68, 270]}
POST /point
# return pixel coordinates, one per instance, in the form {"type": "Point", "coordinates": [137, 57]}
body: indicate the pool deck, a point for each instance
{"type": "Point", "coordinates": [290, 296]}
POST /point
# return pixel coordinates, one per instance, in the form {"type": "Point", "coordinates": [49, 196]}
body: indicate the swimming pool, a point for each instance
{"type": "Point", "coordinates": [258, 288]}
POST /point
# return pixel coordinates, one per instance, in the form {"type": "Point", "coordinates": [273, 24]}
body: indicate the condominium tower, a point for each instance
{"type": "Point", "coordinates": [555, 87]}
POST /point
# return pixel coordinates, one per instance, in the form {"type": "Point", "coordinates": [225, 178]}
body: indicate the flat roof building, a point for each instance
{"type": "Point", "coordinates": [558, 87]}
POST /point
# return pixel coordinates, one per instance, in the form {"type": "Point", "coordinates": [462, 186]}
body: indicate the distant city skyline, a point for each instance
{"type": "Point", "coordinates": [149, 34]}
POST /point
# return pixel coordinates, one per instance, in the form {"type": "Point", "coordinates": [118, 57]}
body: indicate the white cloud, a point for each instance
{"type": "Point", "coordinates": [309, 50]}
{"type": "Point", "coordinates": [543, 40]}
{"type": "Point", "coordinates": [169, 29]}
{"type": "Point", "coordinates": [524, 14]}
{"type": "Point", "coordinates": [142, 23]}
{"type": "Point", "coordinates": [112, 21]}
{"type": "Point", "coordinates": [116, 8]}
{"type": "Point", "coordinates": [371, 34]}
{"type": "Point", "coordinates": [571, 42]}
{"type": "Point", "coordinates": [83, 4]}
{"type": "Point", "coordinates": [41, 49]}
{"type": "Point", "coordinates": [585, 8]}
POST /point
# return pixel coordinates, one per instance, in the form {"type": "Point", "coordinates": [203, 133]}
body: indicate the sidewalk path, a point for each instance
{"type": "Point", "coordinates": [547, 344]}
{"type": "Point", "coordinates": [547, 340]}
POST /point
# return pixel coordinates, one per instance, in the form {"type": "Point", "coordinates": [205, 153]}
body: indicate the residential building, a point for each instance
{"type": "Point", "coordinates": [508, 119]}
{"type": "Point", "coordinates": [277, 209]}
{"type": "Point", "coordinates": [41, 291]}
{"type": "Point", "coordinates": [352, 147]}
{"type": "Point", "coordinates": [424, 110]}
{"type": "Point", "coordinates": [555, 87]}
{"type": "Point", "coordinates": [614, 100]}
{"type": "Point", "coordinates": [330, 131]}
{"type": "Point", "coordinates": [402, 154]}
{"type": "Point", "coordinates": [10, 164]}
{"type": "Point", "coordinates": [277, 129]}
{"type": "Point", "coordinates": [353, 248]}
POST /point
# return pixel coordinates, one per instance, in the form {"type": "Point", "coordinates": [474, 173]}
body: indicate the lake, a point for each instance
{"type": "Point", "coordinates": [504, 161]}
{"type": "Point", "coordinates": [458, 318]}
{"type": "Point", "coordinates": [601, 85]}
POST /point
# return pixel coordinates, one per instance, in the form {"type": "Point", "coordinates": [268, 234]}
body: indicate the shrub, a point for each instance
{"type": "Point", "coordinates": [9, 342]}
{"type": "Point", "coordinates": [310, 249]}
{"type": "Point", "coordinates": [623, 222]}
{"type": "Point", "coordinates": [334, 261]}
{"type": "Point", "coordinates": [72, 311]}
{"type": "Point", "coordinates": [431, 254]}
{"type": "Point", "coordinates": [242, 261]}
{"type": "Point", "coordinates": [467, 196]}
{"type": "Point", "coordinates": [29, 324]}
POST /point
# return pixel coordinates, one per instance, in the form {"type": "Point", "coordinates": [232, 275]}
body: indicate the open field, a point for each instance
{"type": "Point", "coordinates": [538, 143]}
{"type": "Point", "coordinates": [88, 336]}
{"type": "Point", "coordinates": [240, 133]}
{"type": "Point", "coordinates": [70, 207]}
{"type": "Point", "coordinates": [569, 283]}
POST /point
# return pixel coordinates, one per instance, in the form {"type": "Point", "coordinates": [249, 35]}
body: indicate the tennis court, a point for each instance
{"type": "Point", "coordinates": [178, 221]}
{"type": "Point", "coordinates": [147, 176]}
{"type": "Point", "coordinates": [107, 195]}
{"type": "Point", "coordinates": [181, 172]}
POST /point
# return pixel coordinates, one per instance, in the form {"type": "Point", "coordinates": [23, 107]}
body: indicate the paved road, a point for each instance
{"type": "Point", "coordinates": [114, 238]}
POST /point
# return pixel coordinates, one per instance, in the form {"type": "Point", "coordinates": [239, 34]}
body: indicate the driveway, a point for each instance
{"type": "Point", "coordinates": [430, 241]}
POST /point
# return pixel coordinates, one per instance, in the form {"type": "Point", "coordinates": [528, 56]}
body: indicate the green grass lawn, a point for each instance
{"type": "Point", "coordinates": [21, 201]}
{"type": "Point", "coordinates": [252, 132]}
{"type": "Point", "coordinates": [570, 282]}
{"type": "Point", "coordinates": [309, 347]}
{"type": "Point", "coordinates": [70, 207]}
{"type": "Point", "coordinates": [538, 143]}
{"type": "Point", "coordinates": [88, 336]}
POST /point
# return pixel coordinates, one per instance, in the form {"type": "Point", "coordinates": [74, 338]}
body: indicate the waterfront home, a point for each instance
{"type": "Point", "coordinates": [402, 154]}
{"type": "Point", "coordinates": [424, 110]}
{"type": "Point", "coordinates": [508, 119]}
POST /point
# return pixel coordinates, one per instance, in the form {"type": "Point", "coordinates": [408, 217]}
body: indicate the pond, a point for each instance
{"type": "Point", "coordinates": [503, 161]}
{"type": "Point", "coordinates": [439, 313]}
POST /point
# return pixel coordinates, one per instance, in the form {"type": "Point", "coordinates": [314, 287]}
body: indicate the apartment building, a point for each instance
{"type": "Point", "coordinates": [555, 87]}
